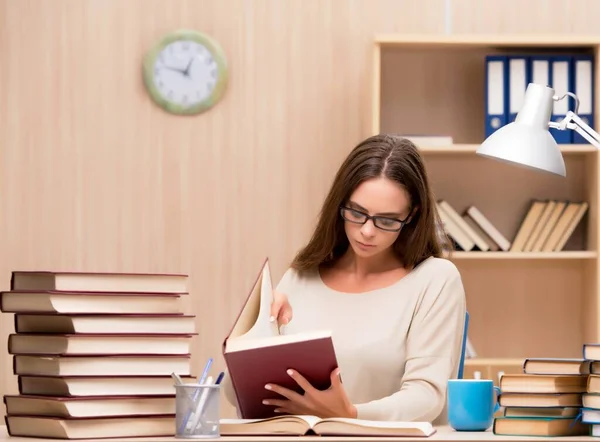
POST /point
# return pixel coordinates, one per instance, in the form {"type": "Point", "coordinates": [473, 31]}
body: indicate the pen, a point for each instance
{"type": "Point", "coordinates": [220, 378]}
{"type": "Point", "coordinates": [201, 381]}
{"type": "Point", "coordinates": [205, 372]}
{"type": "Point", "coordinates": [204, 404]}
{"type": "Point", "coordinates": [176, 378]}
{"type": "Point", "coordinates": [199, 407]}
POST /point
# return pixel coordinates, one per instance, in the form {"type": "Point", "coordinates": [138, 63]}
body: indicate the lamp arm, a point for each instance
{"type": "Point", "coordinates": [573, 122]}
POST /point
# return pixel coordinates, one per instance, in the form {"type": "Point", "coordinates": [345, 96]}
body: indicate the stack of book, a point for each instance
{"type": "Point", "coordinates": [94, 353]}
{"type": "Point", "coordinates": [546, 399]}
{"type": "Point", "coordinates": [590, 413]}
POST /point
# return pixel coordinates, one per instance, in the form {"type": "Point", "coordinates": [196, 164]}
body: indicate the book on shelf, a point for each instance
{"type": "Point", "coordinates": [256, 354]}
{"type": "Point", "coordinates": [527, 225]}
{"type": "Point", "coordinates": [96, 349]}
{"type": "Point", "coordinates": [294, 425]}
{"type": "Point", "coordinates": [472, 231]}
{"type": "Point", "coordinates": [491, 244]}
{"type": "Point", "coordinates": [564, 71]}
{"type": "Point", "coordinates": [548, 225]}
{"type": "Point", "coordinates": [459, 237]}
{"type": "Point", "coordinates": [492, 232]}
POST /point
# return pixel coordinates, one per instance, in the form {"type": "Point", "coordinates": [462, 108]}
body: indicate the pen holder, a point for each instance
{"type": "Point", "coordinates": [197, 411]}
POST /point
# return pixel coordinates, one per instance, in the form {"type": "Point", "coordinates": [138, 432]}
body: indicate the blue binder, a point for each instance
{"type": "Point", "coordinates": [560, 80]}
{"type": "Point", "coordinates": [496, 73]}
{"type": "Point", "coordinates": [539, 70]}
{"type": "Point", "coordinates": [517, 81]}
{"type": "Point", "coordinates": [582, 85]}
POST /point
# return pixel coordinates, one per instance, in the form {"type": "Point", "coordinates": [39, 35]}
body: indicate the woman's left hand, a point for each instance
{"type": "Point", "coordinates": [332, 402]}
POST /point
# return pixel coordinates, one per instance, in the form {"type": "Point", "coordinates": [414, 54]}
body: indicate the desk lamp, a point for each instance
{"type": "Point", "coordinates": [527, 141]}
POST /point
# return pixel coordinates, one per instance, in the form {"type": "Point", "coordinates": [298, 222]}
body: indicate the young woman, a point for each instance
{"type": "Point", "coordinates": [373, 274]}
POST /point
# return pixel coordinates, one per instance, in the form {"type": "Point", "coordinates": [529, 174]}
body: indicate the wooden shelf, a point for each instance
{"type": "Point", "coordinates": [522, 304]}
{"type": "Point", "coordinates": [495, 362]}
{"type": "Point", "coordinates": [583, 254]}
{"type": "Point", "coordinates": [472, 148]}
{"type": "Point", "coordinates": [492, 368]}
{"type": "Point", "coordinates": [498, 40]}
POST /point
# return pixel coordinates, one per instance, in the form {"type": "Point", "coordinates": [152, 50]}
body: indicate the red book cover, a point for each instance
{"type": "Point", "coordinates": [255, 354]}
{"type": "Point", "coordinates": [250, 370]}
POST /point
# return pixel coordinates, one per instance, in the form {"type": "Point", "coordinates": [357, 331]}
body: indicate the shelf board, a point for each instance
{"type": "Point", "coordinates": [583, 254]}
{"type": "Point", "coordinates": [472, 148]}
{"type": "Point", "coordinates": [494, 361]}
{"type": "Point", "coordinates": [499, 40]}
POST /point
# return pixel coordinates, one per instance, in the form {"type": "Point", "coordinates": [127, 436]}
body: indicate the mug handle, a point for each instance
{"type": "Point", "coordinates": [497, 403]}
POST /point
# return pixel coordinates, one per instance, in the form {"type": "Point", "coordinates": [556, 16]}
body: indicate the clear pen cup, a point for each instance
{"type": "Point", "coordinates": [197, 411]}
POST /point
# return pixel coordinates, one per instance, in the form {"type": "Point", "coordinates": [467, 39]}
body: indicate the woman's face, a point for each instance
{"type": "Point", "coordinates": [384, 199]}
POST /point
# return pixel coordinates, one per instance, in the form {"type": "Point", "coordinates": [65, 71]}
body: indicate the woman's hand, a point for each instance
{"type": "Point", "coordinates": [332, 402]}
{"type": "Point", "coordinates": [281, 310]}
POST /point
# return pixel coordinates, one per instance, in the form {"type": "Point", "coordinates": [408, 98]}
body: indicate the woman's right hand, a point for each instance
{"type": "Point", "coordinates": [281, 310]}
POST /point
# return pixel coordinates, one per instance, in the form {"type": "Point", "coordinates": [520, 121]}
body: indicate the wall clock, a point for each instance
{"type": "Point", "coordinates": [185, 73]}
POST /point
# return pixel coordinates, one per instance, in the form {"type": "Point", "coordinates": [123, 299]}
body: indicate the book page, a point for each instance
{"type": "Point", "coordinates": [249, 313]}
{"type": "Point", "coordinates": [255, 318]}
{"type": "Point", "coordinates": [310, 420]}
{"type": "Point", "coordinates": [425, 426]}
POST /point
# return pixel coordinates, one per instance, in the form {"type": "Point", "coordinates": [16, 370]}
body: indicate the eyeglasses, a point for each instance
{"type": "Point", "coordinates": [381, 222]}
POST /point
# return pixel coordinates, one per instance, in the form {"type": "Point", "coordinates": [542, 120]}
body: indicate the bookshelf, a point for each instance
{"type": "Point", "coordinates": [522, 304]}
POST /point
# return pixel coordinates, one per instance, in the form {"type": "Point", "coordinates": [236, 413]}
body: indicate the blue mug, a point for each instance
{"type": "Point", "coordinates": [472, 404]}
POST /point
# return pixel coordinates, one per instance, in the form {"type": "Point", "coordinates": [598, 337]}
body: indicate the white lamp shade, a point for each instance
{"type": "Point", "coordinates": [527, 141]}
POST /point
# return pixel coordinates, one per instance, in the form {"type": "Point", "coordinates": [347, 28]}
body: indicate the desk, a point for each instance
{"type": "Point", "coordinates": [443, 434]}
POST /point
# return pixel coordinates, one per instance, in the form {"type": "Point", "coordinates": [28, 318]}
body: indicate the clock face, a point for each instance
{"type": "Point", "coordinates": [185, 74]}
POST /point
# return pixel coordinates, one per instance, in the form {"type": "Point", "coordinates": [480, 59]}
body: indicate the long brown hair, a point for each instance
{"type": "Point", "coordinates": [388, 156]}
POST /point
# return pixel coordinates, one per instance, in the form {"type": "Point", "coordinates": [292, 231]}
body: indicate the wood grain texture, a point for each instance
{"type": "Point", "coordinates": [95, 177]}
{"type": "Point", "coordinates": [531, 17]}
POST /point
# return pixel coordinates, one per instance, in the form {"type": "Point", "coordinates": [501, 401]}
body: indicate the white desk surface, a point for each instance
{"type": "Point", "coordinates": [442, 434]}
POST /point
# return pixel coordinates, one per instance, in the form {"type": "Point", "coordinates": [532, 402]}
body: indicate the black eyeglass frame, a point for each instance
{"type": "Point", "coordinates": [374, 218]}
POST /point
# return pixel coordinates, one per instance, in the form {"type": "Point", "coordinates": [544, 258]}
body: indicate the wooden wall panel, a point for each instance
{"type": "Point", "coordinates": [94, 177]}
{"type": "Point", "coordinates": [525, 17]}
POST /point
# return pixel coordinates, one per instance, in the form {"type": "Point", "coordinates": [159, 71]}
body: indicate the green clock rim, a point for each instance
{"type": "Point", "coordinates": [222, 67]}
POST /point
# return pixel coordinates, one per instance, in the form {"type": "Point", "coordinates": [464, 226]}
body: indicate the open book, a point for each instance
{"type": "Point", "coordinates": [256, 354]}
{"type": "Point", "coordinates": [304, 425]}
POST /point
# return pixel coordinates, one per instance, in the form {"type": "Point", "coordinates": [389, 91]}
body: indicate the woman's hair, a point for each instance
{"type": "Point", "coordinates": [386, 156]}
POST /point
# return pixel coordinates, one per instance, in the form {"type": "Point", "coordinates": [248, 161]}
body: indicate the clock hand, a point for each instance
{"type": "Point", "coordinates": [175, 69]}
{"type": "Point", "coordinates": [186, 72]}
